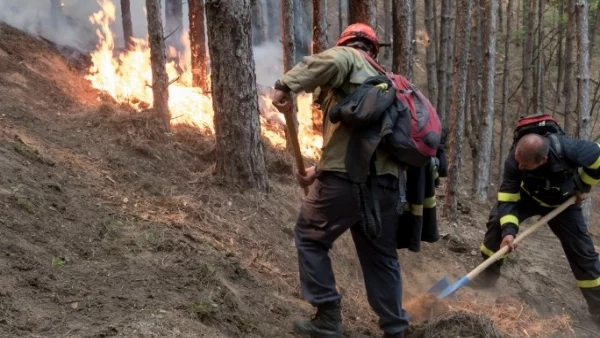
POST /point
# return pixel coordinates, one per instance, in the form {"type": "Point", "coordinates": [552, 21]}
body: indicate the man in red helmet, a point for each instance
{"type": "Point", "coordinates": [329, 209]}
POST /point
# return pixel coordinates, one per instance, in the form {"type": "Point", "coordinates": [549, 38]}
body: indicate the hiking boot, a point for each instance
{"type": "Point", "coordinates": [394, 335]}
{"type": "Point", "coordinates": [327, 323]}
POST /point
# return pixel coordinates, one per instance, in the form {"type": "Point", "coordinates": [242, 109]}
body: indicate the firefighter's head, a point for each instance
{"type": "Point", "coordinates": [532, 151]}
{"type": "Point", "coordinates": [362, 36]}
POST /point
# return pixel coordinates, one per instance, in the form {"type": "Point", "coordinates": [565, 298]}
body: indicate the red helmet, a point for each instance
{"type": "Point", "coordinates": [359, 30]}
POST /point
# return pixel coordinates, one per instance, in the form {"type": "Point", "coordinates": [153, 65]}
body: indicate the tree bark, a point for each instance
{"type": "Point", "coordinates": [239, 150]}
{"type": "Point", "coordinates": [127, 25]}
{"type": "Point", "coordinates": [457, 108]}
{"type": "Point", "coordinates": [449, 69]}
{"type": "Point", "coordinates": [387, 30]}
{"type": "Point", "coordinates": [592, 30]}
{"type": "Point", "coordinates": [198, 45]}
{"type": "Point", "coordinates": [413, 28]}
{"type": "Point", "coordinates": [160, 79]}
{"type": "Point", "coordinates": [570, 117]}
{"type": "Point", "coordinates": [474, 89]}
{"type": "Point", "coordinates": [529, 7]}
{"type": "Point", "coordinates": [174, 24]}
{"type": "Point", "coordinates": [289, 51]}
{"type": "Point", "coordinates": [585, 127]}
{"type": "Point", "coordinates": [259, 27]}
{"type": "Point", "coordinates": [561, 59]}
{"type": "Point", "coordinates": [504, 123]}
{"type": "Point", "coordinates": [539, 105]}
{"type": "Point", "coordinates": [430, 50]}
{"type": "Point", "coordinates": [402, 22]}
{"type": "Point", "coordinates": [320, 42]}
{"type": "Point", "coordinates": [487, 127]}
{"type": "Point", "coordinates": [364, 11]}
{"type": "Point", "coordinates": [443, 60]}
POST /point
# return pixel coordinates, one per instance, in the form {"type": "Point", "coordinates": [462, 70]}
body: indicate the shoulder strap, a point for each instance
{"type": "Point", "coordinates": [559, 151]}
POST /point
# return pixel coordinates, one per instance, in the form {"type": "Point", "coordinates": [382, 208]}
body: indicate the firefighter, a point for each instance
{"type": "Point", "coordinates": [327, 211]}
{"type": "Point", "coordinates": [540, 173]}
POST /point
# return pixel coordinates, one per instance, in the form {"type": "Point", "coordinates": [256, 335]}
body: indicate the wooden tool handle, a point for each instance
{"type": "Point", "coordinates": [503, 251]}
{"type": "Point", "coordinates": [291, 127]}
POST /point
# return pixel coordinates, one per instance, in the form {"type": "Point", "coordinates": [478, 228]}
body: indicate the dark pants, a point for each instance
{"type": "Point", "coordinates": [570, 228]}
{"type": "Point", "coordinates": [328, 211]}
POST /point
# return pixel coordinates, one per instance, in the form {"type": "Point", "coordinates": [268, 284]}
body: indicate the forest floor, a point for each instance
{"type": "Point", "coordinates": [109, 230]}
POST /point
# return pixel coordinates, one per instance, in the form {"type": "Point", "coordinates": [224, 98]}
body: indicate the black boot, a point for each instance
{"type": "Point", "coordinates": [327, 323]}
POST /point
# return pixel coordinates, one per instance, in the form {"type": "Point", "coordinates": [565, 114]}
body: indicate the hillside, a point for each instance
{"type": "Point", "coordinates": [111, 229]}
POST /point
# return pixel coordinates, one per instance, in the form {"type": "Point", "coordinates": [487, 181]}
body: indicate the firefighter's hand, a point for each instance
{"type": "Point", "coordinates": [282, 101]}
{"type": "Point", "coordinates": [581, 196]}
{"type": "Point", "coordinates": [309, 178]}
{"type": "Point", "coordinates": [509, 240]}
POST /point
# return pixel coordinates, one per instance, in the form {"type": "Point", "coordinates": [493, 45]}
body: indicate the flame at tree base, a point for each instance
{"type": "Point", "coordinates": [127, 78]}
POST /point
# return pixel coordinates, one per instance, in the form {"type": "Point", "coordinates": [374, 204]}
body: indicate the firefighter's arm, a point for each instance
{"type": "Point", "coordinates": [586, 155]}
{"type": "Point", "coordinates": [509, 196]}
{"type": "Point", "coordinates": [329, 68]}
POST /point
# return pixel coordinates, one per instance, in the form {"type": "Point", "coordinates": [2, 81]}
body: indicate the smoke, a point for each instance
{"type": "Point", "coordinates": [75, 30]}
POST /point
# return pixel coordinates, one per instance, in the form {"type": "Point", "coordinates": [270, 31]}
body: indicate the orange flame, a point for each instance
{"type": "Point", "coordinates": [127, 78]}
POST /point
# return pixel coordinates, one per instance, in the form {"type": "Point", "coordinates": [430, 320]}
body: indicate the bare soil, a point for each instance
{"type": "Point", "coordinates": [109, 229]}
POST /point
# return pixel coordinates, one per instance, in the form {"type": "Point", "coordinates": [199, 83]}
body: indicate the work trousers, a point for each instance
{"type": "Point", "coordinates": [570, 228]}
{"type": "Point", "coordinates": [327, 212]}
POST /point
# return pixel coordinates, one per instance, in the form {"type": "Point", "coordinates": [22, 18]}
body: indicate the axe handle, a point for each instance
{"type": "Point", "coordinates": [293, 134]}
{"type": "Point", "coordinates": [503, 251]}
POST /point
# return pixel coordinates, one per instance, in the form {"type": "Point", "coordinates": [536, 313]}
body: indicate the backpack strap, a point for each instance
{"type": "Point", "coordinates": [555, 141]}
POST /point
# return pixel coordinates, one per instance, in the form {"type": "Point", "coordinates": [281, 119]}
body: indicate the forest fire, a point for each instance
{"type": "Point", "coordinates": [127, 78]}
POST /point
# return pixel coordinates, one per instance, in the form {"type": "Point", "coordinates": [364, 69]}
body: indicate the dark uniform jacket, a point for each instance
{"type": "Point", "coordinates": [576, 167]}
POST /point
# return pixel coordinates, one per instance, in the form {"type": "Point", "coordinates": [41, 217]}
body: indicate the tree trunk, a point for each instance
{"type": "Point", "coordinates": [364, 11]}
{"type": "Point", "coordinates": [387, 30]}
{"type": "Point", "coordinates": [539, 105]}
{"type": "Point", "coordinates": [592, 30]}
{"type": "Point", "coordinates": [127, 25]}
{"type": "Point", "coordinates": [529, 7]}
{"type": "Point", "coordinates": [198, 45]}
{"type": "Point", "coordinates": [443, 60]}
{"type": "Point", "coordinates": [561, 59]}
{"type": "Point", "coordinates": [570, 117]}
{"type": "Point", "coordinates": [430, 50]}
{"type": "Point", "coordinates": [259, 27]}
{"type": "Point", "coordinates": [449, 68]}
{"type": "Point", "coordinates": [413, 28]}
{"type": "Point", "coordinates": [320, 42]}
{"type": "Point", "coordinates": [474, 89]}
{"type": "Point", "coordinates": [174, 24]}
{"type": "Point", "coordinates": [289, 51]}
{"type": "Point", "coordinates": [303, 13]}
{"type": "Point", "coordinates": [457, 109]}
{"type": "Point", "coordinates": [487, 127]}
{"type": "Point", "coordinates": [402, 59]}
{"type": "Point", "coordinates": [504, 124]}
{"type": "Point", "coordinates": [585, 127]}
{"type": "Point", "coordinates": [235, 102]}
{"type": "Point", "coordinates": [160, 79]}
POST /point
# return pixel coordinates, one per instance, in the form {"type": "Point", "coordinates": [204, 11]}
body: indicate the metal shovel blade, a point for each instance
{"type": "Point", "coordinates": [440, 286]}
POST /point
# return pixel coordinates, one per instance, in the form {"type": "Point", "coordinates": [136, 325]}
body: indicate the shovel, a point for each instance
{"type": "Point", "coordinates": [291, 127]}
{"type": "Point", "coordinates": [443, 288]}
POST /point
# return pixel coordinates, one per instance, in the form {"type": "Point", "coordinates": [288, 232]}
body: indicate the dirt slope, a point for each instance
{"type": "Point", "coordinates": [107, 229]}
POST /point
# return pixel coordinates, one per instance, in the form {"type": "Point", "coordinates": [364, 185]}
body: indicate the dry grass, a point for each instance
{"type": "Point", "coordinates": [509, 316]}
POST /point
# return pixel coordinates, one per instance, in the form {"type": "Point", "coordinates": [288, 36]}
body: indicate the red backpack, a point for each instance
{"type": "Point", "coordinates": [417, 145]}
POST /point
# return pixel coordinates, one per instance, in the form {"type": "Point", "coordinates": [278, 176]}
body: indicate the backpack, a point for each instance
{"type": "Point", "coordinates": [420, 139]}
{"type": "Point", "coordinates": [544, 125]}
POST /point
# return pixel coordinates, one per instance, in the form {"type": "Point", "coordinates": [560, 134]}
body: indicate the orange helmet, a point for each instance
{"type": "Point", "coordinates": [359, 30]}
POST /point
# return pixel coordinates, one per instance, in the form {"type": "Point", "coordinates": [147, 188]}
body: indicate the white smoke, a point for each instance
{"type": "Point", "coordinates": [75, 29]}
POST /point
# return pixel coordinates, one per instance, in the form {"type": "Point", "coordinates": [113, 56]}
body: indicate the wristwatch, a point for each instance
{"type": "Point", "coordinates": [282, 87]}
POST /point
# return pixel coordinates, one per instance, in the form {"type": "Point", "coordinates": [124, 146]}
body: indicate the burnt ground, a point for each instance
{"type": "Point", "coordinates": [109, 229]}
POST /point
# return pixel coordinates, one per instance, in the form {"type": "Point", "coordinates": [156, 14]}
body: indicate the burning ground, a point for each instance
{"type": "Point", "coordinates": [108, 229]}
